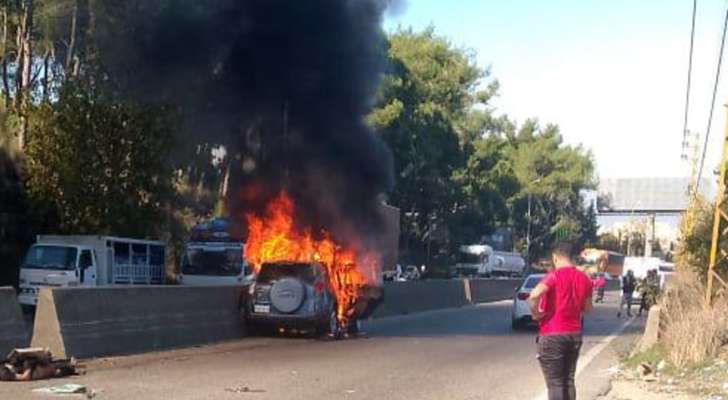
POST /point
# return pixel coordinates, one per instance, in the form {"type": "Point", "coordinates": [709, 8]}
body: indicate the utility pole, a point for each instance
{"type": "Point", "coordinates": [719, 218]}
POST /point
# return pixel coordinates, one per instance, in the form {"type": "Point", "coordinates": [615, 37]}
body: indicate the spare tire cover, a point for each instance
{"type": "Point", "coordinates": [287, 295]}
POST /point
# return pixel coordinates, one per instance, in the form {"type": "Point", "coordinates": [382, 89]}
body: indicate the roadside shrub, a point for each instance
{"type": "Point", "coordinates": [692, 332]}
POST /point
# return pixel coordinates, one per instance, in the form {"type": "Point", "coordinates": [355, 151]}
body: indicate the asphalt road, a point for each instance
{"type": "Point", "coordinates": [468, 353]}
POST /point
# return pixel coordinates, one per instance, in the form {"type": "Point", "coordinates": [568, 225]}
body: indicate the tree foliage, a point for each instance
{"type": "Point", "coordinates": [461, 168]}
{"type": "Point", "coordinates": [99, 165]}
{"type": "Point", "coordinates": [696, 230]}
{"type": "Point", "coordinates": [425, 98]}
{"type": "Point", "coordinates": [62, 113]}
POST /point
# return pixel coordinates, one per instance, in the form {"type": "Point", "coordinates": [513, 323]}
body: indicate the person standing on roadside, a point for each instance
{"type": "Point", "coordinates": [629, 283]}
{"type": "Point", "coordinates": [558, 303]}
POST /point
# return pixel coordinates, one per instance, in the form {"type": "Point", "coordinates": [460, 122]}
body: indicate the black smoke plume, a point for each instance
{"type": "Point", "coordinates": [284, 85]}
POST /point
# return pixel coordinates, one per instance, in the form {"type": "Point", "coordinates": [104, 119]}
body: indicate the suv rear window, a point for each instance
{"type": "Point", "coordinates": [274, 272]}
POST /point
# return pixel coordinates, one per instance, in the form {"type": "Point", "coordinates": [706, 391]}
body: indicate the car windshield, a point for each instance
{"type": "Point", "coordinates": [51, 257]}
{"type": "Point", "coordinates": [531, 282]}
{"type": "Point", "coordinates": [468, 258]}
{"type": "Point", "coordinates": [274, 272]}
{"type": "Point", "coordinates": [222, 262]}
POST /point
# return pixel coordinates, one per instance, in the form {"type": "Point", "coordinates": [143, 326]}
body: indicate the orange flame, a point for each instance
{"type": "Point", "coordinates": [274, 237]}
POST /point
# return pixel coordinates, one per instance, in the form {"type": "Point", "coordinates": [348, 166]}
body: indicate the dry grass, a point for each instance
{"type": "Point", "coordinates": [692, 333]}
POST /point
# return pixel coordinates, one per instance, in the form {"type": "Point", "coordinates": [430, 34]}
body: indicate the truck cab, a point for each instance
{"type": "Point", "coordinates": [473, 261]}
{"type": "Point", "coordinates": [55, 265]}
{"type": "Point", "coordinates": [480, 260]}
{"type": "Point", "coordinates": [214, 256]}
{"type": "Point", "coordinates": [89, 260]}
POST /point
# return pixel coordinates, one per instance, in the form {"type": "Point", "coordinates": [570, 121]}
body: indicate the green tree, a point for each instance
{"type": "Point", "coordinates": [99, 165]}
{"type": "Point", "coordinates": [460, 166]}
{"type": "Point", "coordinates": [424, 110]}
{"type": "Point", "coordinates": [696, 231]}
{"type": "Point", "coordinates": [589, 227]}
{"type": "Point", "coordinates": [487, 182]}
{"type": "Point", "coordinates": [554, 175]}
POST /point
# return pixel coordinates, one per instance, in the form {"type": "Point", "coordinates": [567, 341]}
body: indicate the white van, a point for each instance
{"type": "Point", "coordinates": [86, 260]}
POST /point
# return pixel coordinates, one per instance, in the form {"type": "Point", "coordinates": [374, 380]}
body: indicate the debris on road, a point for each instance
{"type": "Point", "coordinates": [31, 364]}
{"type": "Point", "coordinates": [614, 370]}
{"type": "Point", "coordinates": [69, 388]}
{"type": "Point", "coordinates": [243, 389]}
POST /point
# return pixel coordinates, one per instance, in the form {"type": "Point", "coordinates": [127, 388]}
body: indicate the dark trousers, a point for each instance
{"type": "Point", "coordinates": [643, 303]}
{"type": "Point", "coordinates": [558, 355]}
{"type": "Point", "coordinates": [600, 294]}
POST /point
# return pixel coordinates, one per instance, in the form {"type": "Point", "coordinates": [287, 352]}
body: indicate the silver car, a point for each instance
{"type": "Point", "coordinates": [292, 295]}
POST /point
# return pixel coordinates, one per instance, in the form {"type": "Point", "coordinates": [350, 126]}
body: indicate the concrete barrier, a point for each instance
{"type": "Point", "coordinates": [651, 335]}
{"type": "Point", "coordinates": [93, 322]}
{"type": "Point", "coordinates": [417, 296]}
{"type": "Point", "coordinates": [484, 290]}
{"type": "Point", "coordinates": [106, 321]}
{"type": "Point", "coordinates": [13, 332]}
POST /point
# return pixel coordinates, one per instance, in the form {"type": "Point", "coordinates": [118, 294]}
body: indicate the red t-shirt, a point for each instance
{"type": "Point", "coordinates": [563, 303]}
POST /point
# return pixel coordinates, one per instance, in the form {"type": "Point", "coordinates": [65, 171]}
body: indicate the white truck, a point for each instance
{"type": "Point", "coordinates": [86, 260]}
{"type": "Point", "coordinates": [214, 256]}
{"type": "Point", "coordinates": [481, 260]}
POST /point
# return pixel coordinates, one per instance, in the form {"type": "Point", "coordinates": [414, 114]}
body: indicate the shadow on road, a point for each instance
{"type": "Point", "coordinates": [490, 320]}
{"type": "Point", "coordinates": [493, 319]}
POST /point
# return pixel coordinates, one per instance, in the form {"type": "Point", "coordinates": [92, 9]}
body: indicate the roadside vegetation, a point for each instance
{"type": "Point", "coordinates": [692, 353]}
{"type": "Point", "coordinates": [695, 332]}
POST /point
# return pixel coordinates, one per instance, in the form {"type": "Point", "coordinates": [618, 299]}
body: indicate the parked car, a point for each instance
{"type": "Point", "coordinates": [521, 315]}
{"type": "Point", "coordinates": [292, 295]}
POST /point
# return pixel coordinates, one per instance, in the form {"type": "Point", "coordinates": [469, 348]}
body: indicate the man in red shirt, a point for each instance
{"type": "Point", "coordinates": [558, 303]}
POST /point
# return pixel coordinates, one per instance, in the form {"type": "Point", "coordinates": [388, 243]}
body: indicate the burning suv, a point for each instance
{"type": "Point", "coordinates": [293, 294]}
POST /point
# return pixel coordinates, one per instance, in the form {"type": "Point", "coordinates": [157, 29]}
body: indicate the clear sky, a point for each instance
{"type": "Point", "coordinates": [610, 73]}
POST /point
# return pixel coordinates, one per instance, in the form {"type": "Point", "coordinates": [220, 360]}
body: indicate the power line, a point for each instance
{"type": "Point", "coordinates": [712, 103]}
{"type": "Point", "coordinates": [690, 72]}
